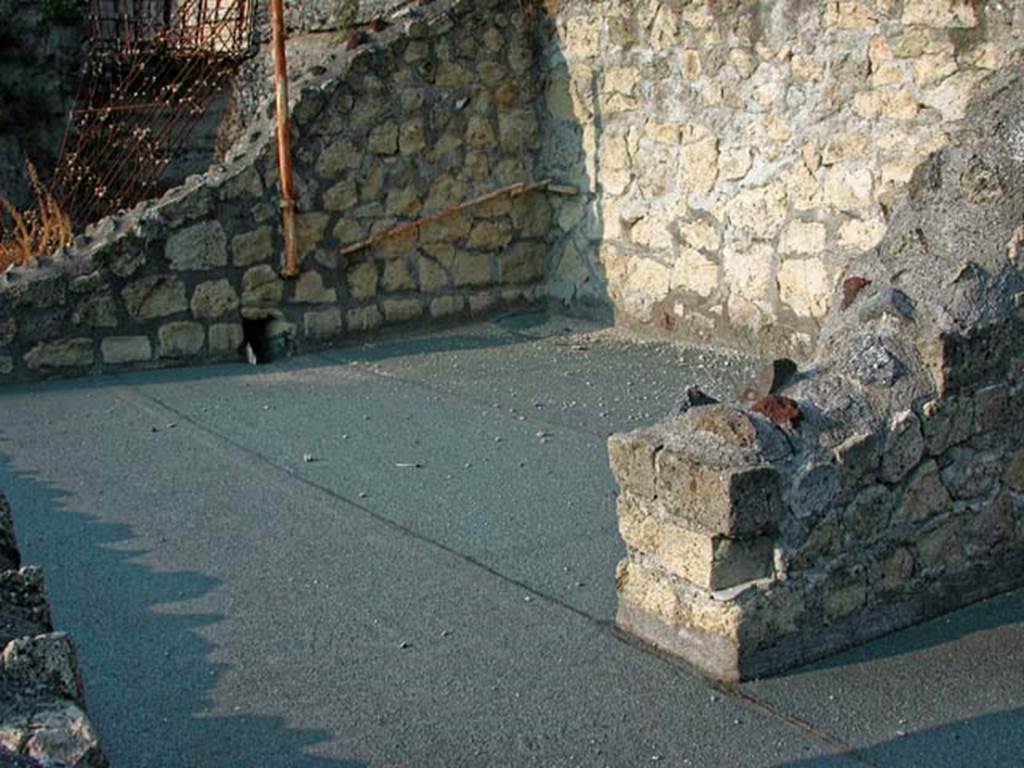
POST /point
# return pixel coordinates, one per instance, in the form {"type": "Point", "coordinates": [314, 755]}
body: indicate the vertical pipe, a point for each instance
{"type": "Point", "coordinates": [284, 152]}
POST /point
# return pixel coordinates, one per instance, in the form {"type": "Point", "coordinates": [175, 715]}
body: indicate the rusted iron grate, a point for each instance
{"type": "Point", "coordinates": [153, 68]}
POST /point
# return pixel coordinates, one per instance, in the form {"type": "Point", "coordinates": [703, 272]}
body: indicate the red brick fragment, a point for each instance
{"type": "Point", "coordinates": [782, 410]}
{"type": "Point", "coordinates": [852, 286]}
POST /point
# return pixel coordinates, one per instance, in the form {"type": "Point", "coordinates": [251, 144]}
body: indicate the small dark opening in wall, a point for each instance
{"type": "Point", "coordinates": [257, 346]}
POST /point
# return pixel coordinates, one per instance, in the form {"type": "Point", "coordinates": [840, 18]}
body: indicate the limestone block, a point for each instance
{"type": "Point", "coordinates": [117, 350]}
{"type": "Point", "coordinates": [736, 502]}
{"type": "Point", "coordinates": [482, 302]}
{"type": "Point", "coordinates": [804, 286]}
{"type": "Point", "coordinates": [940, 13]}
{"type": "Point", "coordinates": [803, 237]}
{"type": "Point", "coordinates": [821, 545]}
{"type": "Point", "coordinates": [348, 231]}
{"type": "Point", "coordinates": [859, 455]}
{"type": "Point", "coordinates": [695, 273]}
{"type": "Point", "coordinates": [339, 156]}
{"type": "Point", "coordinates": [868, 515]}
{"type": "Point", "coordinates": [362, 280]}
{"type": "Point", "coordinates": [701, 235]}
{"type": "Point", "coordinates": [842, 147]}
{"type": "Point", "coordinates": [309, 231]}
{"type": "Point", "coordinates": [941, 544]}
{"type": "Point", "coordinates": [363, 319]}
{"type": "Point", "coordinates": [471, 268]}
{"type": "Point", "coordinates": [322, 324]}
{"type": "Point", "coordinates": [653, 231]}
{"type": "Point", "coordinates": [844, 595]}
{"type": "Point", "coordinates": [748, 271]}
{"type": "Point", "coordinates": [952, 96]}
{"type": "Point", "coordinates": [518, 130]}
{"type": "Point", "coordinates": [443, 306]}
{"type": "Point", "coordinates": [759, 210]}
{"type": "Point", "coordinates": [450, 229]}
{"type": "Point", "coordinates": [67, 353]}
{"type": "Point", "coordinates": [397, 276]}
{"type": "Point", "coordinates": [734, 163]}
{"type": "Point", "coordinates": [432, 277]}
{"type": "Point", "coordinates": [401, 310]}
{"type": "Point", "coordinates": [62, 735]}
{"type": "Point", "coordinates": [862, 234]}
{"type": "Point", "coordinates": [896, 569]}
{"type": "Point", "coordinates": [383, 139]}
{"type": "Point", "coordinates": [522, 263]}
{"type": "Point", "coordinates": [971, 475]}
{"type": "Point", "coordinates": [849, 188]}
{"type": "Point", "coordinates": [532, 215]}
{"type": "Point", "coordinates": [98, 310]}
{"type": "Point", "coordinates": [342, 196]}
{"type": "Point", "coordinates": [904, 447]}
{"type": "Point", "coordinates": [153, 297]}
{"type": "Point", "coordinates": [252, 247]}
{"type": "Point", "coordinates": [947, 422]}
{"type": "Point", "coordinates": [402, 202]}
{"type": "Point", "coordinates": [850, 14]}
{"type": "Point", "coordinates": [225, 338]}
{"type": "Point", "coordinates": [213, 299]}
{"type": "Point", "coordinates": [261, 285]}
{"type": "Point", "coordinates": [933, 68]}
{"type": "Point", "coordinates": [491, 234]}
{"type": "Point", "coordinates": [201, 246]}
{"type": "Point", "coordinates": [647, 283]}
{"type": "Point", "coordinates": [698, 166]}
{"type": "Point", "coordinates": [412, 137]}
{"type": "Point", "coordinates": [480, 133]}
{"type": "Point", "coordinates": [182, 339]}
{"type": "Point", "coordinates": [710, 562]}
{"type": "Point", "coordinates": [925, 496]}
{"type": "Point", "coordinates": [310, 289]}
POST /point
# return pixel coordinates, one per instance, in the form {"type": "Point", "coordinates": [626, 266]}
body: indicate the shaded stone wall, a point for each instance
{"type": "Point", "coordinates": [433, 112]}
{"type": "Point", "coordinates": [739, 155]}
{"type": "Point", "coordinates": [885, 484]}
{"type": "Point", "coordinates": [42, 700]}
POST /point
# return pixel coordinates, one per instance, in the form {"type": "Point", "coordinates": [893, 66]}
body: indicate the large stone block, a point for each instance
{"type": "Point", "coordinates": [710, 562]}
{"type": "Point", "coordinates": [213, 299]}
{"type": "Point", "coordinates": [67, 353]}
{"type": "Point", "coordinates": [153, 297]}
{"type": "Point", "coordinates": [731, 501]}
{"type": "Point", "coordinates": [201, 246]}
{"type": "Point", "coordinates": [262, 285]}
{"type": "Point", "coordinates": [184, 339]}
{"type": "Point", "coordinates": [117, 350]}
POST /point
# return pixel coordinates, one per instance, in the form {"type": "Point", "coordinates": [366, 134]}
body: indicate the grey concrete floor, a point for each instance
{"type": "Point", "coordinates": [436, 586]}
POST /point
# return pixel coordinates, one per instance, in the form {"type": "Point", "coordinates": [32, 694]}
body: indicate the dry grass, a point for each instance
{"type": "Point", "coordinates": [35, 232]}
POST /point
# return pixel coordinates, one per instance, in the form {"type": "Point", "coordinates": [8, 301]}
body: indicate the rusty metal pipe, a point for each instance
{"type": "Point", "coordinates": [284, 151]}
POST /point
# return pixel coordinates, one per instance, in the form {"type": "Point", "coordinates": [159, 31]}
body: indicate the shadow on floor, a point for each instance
{"type": "Point", "coordinates": [988, 741]}
{"type": "Point", "coordinates": [123, 612]}
{"type": "Point", "coordinates": [998, 611]}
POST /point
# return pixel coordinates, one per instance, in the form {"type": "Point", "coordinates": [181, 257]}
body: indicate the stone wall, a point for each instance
{"type": "Point", "coordinates": [42, 717]}
{"type": "Point", "coordinates": [434, 111]}
{"type": "Point", "coordinates": [740, 155]}
{"type": "Point", "coordinates": [885, 483]}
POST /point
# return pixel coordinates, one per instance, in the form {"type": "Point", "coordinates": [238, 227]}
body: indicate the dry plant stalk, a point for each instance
{"type": "Point", "coordinates": [36, 232]}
